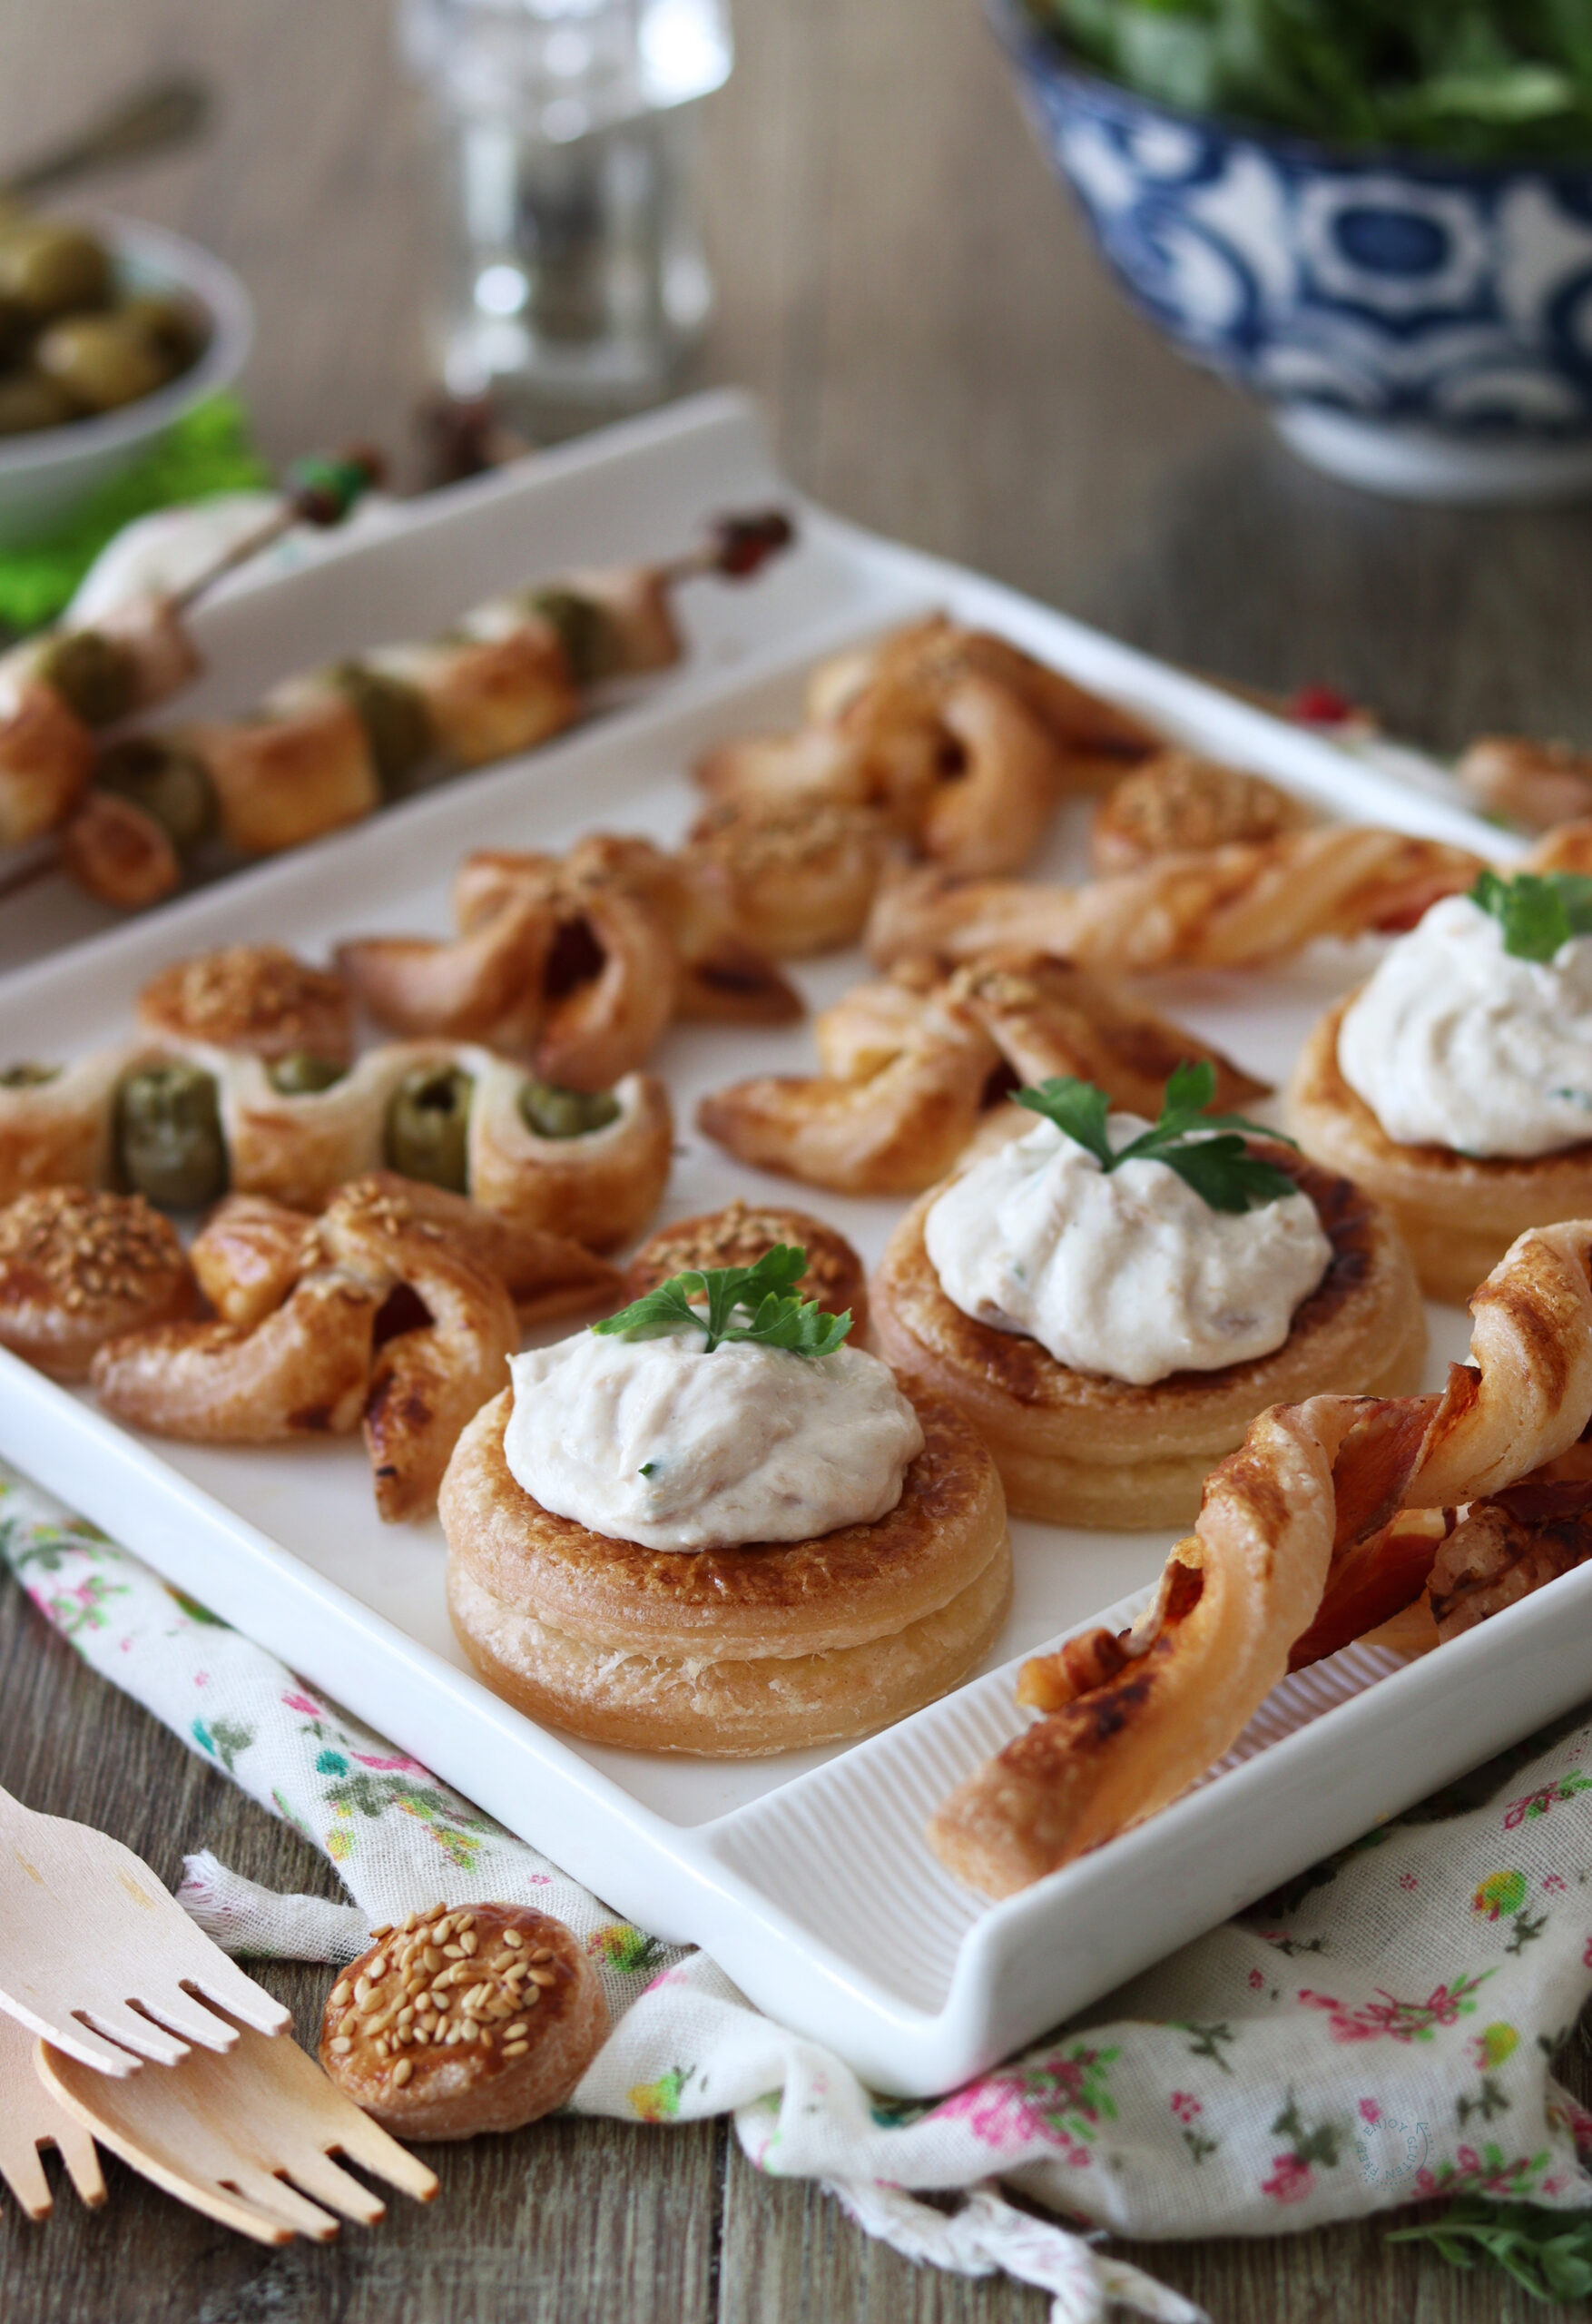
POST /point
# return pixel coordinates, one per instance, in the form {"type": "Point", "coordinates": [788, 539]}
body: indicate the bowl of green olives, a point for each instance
{"type": "Point", "coordinates": [109, 331]}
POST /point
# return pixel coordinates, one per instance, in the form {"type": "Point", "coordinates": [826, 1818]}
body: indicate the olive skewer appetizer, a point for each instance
{"type": "Point", "coordinates": [326, 747]}
{"type": "Point", "coordinates": [61, 692]}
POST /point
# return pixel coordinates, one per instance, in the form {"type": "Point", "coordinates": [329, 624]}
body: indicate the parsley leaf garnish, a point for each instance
{"type": "Point", "coordinates": [1221, 1169]}
{"type": "Point", "coordinates": [765, 1296]}
{"type": "Point", "coordinates": [1548, 2252]}
{"type": "Point", "coordinates": [1537, 911]}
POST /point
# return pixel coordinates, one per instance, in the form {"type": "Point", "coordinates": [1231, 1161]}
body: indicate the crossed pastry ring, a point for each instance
{"type": "Point", "coordinates": [1294, 1526]}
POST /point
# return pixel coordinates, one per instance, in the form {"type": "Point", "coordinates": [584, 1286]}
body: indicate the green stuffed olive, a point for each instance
{"type": "Point", "coordinates": [553, 1112]}
{"type": "Point", "coordinates": [171, 785]}
{"type": "Point", "coordinates": [93, 674]}
{"type": "Point", "coordinates": [302, 1074]}
{"type": "Point", "coordinates": [398, 725]}
{"type": "Point", "coordinates": [427, 1126]}
{"type": "Point", "coordinates": [592, 644]}
{"type": "Point", "coordinates": [168, 1138]}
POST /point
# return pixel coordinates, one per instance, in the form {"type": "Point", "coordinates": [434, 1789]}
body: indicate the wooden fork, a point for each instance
{"type": "Point", "coordinates": [225, 2134]}
{"type": "Point", "coordinates": [30, 2118]}
{"type": "Point", "coordinates": [91, 1943]}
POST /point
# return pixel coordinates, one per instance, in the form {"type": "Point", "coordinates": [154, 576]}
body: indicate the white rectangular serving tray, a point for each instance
{"type": "Point", "coordinates": [807, 1875]}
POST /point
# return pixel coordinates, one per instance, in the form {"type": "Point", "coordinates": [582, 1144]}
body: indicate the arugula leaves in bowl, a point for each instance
{"type": "Point", "coordinates": [1483, 80]}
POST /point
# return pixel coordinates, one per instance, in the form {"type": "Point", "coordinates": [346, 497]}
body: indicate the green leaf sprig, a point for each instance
{"type": "Point", "coordinates": [1537, 911]}
{"type": "Point", "coordinates": [765, 1295]}
{"type": "Point", "coordinates": [1548, 2252]}
{"type": "Point", "coordinates": [1221, 1169]}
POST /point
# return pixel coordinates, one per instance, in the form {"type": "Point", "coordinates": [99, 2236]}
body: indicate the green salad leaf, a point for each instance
{"type": "Point", "coordinates": [1548, 2252]}
{"type": "Point", "coordinates": [764, 1295]}
{"type": "Point", "coordinates": [1475, 79]}
{"type": "Point", "coordinates": [1537, 911]}
{"type": "Point", "coordinates": [1219, 1168]}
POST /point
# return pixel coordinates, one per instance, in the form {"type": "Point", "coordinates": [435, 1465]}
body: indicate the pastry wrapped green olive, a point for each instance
{"type": "Point", "coordinates": [302, 1074]}
{"type": "Point", "coordinates": [592, 644]}
{"type": "Point", "coordinates": [552, 1112]}
{"type": "Point", "coordinates": [95, 676]}
{"type": "Point", "coordinates": [427, 1126]}
{"type": "Point", "coordinates": [398, 725]}
{"type": "Point", "coordinates": [170, 783]}
{"type": "Point", "coordinates": [169, 1144]}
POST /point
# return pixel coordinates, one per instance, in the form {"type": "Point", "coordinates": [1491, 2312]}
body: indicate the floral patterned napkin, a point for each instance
{"type": "Point", "coordinates": [1379, 2030]}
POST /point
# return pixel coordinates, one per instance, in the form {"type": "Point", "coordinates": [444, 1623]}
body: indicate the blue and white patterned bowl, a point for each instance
{"type": "Point", "coordinates": [1418, 326]}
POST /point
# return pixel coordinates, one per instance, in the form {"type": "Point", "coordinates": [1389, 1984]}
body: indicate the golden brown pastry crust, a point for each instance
{"type": "Point", "coordinates": [303, 1371]}
{"type": "Point", "coordinates": [249, 1255]}
{"type": "Point", "coordinates": [1237, 906]}
{"type": "Point", "coordinates": [1133, 1719]}
{"type": "Point", "coordinates": [1076, 1448]}
{"type": "Point", "coordinates": [301, 768]}
{"type": "Point", "coordinates": [1458, 1213]}
{"type": "Point", "coordinates": [487, 698]}
{"type": "Point", "coordinates": [525, 1994]}
{"type": "Point", "coordinates": [78, 1268]}
{"type": "Point", "coordinates": [118, 852]}
{"type": "Point", "coordinates": [727, 1652]}
{"type": "Point", "coordinates": [796, 879]}
{"type": "Point", "coordinates": [601, 1188]}
{"type": "Point", "coordinates": [57, 1133]}
{"type": "Point", "coordinates": [46, 753]}
{"type": "Point", "coordinates": [1176, 802]}
{"type": "Point", "coordinates": [257, 998]}
{"type": "Point", "coordinates": [912, 1064]}
{"type": "Point", "coordinates": [740, 1235]}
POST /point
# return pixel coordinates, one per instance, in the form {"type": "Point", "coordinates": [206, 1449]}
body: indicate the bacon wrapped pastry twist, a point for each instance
{"type": "Point", "coordinates": [1128, 1722]}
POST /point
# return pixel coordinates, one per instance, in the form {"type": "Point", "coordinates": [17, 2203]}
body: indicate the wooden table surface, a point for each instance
{"type": "Point", "coordinates": [909, 293]}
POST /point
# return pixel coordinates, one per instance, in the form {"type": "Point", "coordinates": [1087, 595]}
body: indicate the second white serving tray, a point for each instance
{"type": "Point", "coordinates": [807, 1875]}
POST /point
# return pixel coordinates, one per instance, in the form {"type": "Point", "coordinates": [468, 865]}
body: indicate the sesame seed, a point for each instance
{"type": "Point", "coordinates": [515, 2049]}
{"type": "Point", "coordinates": [342, 1992]}
{"type": "Point", "coordinates": [544, 1977]}
{"type": "Point", "coordinates": [377, 1968]}
{"type": "Point", "coordinates": [401, 2072]}
{"type": "Point", "coordinates": [543, 1953]}
{"type": "Point", "coordinates": [469, 1941]}
{"type": "Point", "coordinates": [513, 1939]}
{"type": "Point", "coordinates": [517, 2032]}
{"type": "Point", "coordinates": [453, 1952]}
{"type": "Point", "coordinates": [339, 2046]}
{"type": "Point", "coordinates": [465, 1921]}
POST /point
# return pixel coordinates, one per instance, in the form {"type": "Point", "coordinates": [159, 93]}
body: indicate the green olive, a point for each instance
{"type": "Point", "coordinates": [93, 674]}
{"type": "Point", "coordinates": [300, 1074]}
{"type": "Point", "coordinates": [398, 725]}
{"type": "Point", "coordinates": [29, 400]}
{"type": "Point", "coordinates": [168, 1141]}
{"type": "Point", "coordinates": [52, 268]}
{"type": "Point", "coordinates": [174, 326]}
{"type": "Point", "coordinates": [100, 361]}
{"type": "Point", "coordinates": [169, 783]}
{"type": "Point", "coordinates": [28, 1075]}
{"type": "Point", "coordinates": [592, 644]}
{"type": "Point", "coordinates": [553, 1112]}
{"type": "Point", "coordinates": [427, 1126]}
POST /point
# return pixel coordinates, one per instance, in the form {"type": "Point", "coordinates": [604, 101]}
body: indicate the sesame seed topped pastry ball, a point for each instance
{"type": "Point", "coordinates": [254, 997]}
{"type": "Point", "coordinates": [77, 1269]}
{"type": "Point", "coordinates": [737, 1237]}
{"type": "Point", "coordinates": [455, 2023]}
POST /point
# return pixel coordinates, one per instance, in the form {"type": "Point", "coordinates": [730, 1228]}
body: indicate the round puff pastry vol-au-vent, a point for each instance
{"type": "Point", "coordinates": [78, 1268]}
{"type": "Point", "coordinates": [253, 998]}
{"type": "Point", "coordinates": [728, 1653]}
{"type": "Point", "coordinates": [741, 1234]}
{"type": "Point", "coordinates": [1076, 1448]}
{"type": "Point", "coordinates": [502, 2010]}
{"type": "Point", "coordinates": [1458, 1213]}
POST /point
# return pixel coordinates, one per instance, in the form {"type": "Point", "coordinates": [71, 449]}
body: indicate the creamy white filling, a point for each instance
{"type": "Point", "coordinates": [1128, 1272]}
{"type": "Point", "coordinates": [1453, 1042]}
{"type": "Point", "coordinates": [656, 1441]}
